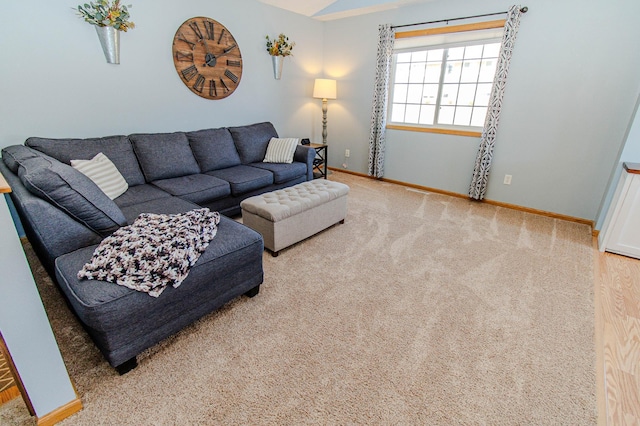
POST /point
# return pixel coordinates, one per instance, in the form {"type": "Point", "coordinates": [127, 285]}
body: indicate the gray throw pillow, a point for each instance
{"type": "Point", "coordinates": [214, 149]}
{"type": "Point", "coordinates": [252, 140]}
{"type": "Point", "coordinates": [117, 148]}
{"type": "Point", "coordinates": [164, 155]}
{"type": "Point", "coordinates": [14, 155]}
{"type": "Point", "coordinates": [72, 192]}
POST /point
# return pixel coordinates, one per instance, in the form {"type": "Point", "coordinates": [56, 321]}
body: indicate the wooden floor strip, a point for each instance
{"type": "Point", "coordinates": [618, 337]}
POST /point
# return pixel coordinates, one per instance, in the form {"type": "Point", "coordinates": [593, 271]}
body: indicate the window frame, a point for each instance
{"type": "Point", "coordinates": [459, 130]}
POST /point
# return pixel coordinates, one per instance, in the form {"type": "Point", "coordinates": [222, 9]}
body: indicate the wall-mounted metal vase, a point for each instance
{"type": "Point", "coordinates": [110, 42]}
{"type": "Point", "coordinates": [278, 61]}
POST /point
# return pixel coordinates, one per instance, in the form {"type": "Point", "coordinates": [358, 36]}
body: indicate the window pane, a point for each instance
{"type": "Point", "coordinates": [412, 113]}
{"type": "Point", "coordinates": [473, 52]}
{"type": "Point", "coordinates": [397, 113]}
{"type": "Point", "coordinates": [402, 73]}
{"type": "Point", "coordinates": [491, 50]}
{"type": "Point", "coordinates": [430, 94]}
{"type": "Point", "coordinates": [404, 57]}
{"type": "Point", "coordinates": [478, 117]}
{"type": "Point", "coordinates": [470, 71]}
{"type": "Point", "coordinates": [432, 75]}
{"type": "Point", "coordinates": [414, 96]}
{"type": "Point", "coordinates": [435, 55]}
{"type": "Point", "coordinates": [452, 73]}
{"type": "Point", "coordinates": [488, 70]}
{"type": "Point", "coordinates": [483, 94]}
{"type": "Point", "coordinates": [449, 94]}
{"type": "Point", "coordinates": [419, 56]}
{"type": "Point", "coordinates": [427, 113]}
{"type": "Point", "coordinates": [455, 53]}
{"type": "Point", "coordinates": [446, 115]}
{"type": "Point", "coordinates": [400, 93]}
{"type": "Point", "coordinates": [466, 94]}
{"type": "Point", "coordinates": [417, 73]}
{"type": "Point", "coordinates": [463, 116]}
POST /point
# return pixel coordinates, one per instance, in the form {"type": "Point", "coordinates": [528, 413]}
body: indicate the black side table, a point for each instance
{"type": "Point", "coordinates": [320, 162]}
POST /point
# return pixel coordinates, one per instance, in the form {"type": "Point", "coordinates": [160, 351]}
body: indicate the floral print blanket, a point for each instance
{"type": "Point", "coordinates": [155, 251]}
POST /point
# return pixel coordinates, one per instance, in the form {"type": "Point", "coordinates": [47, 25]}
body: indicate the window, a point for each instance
{"type": "Point", "coordinates": [444, 81]}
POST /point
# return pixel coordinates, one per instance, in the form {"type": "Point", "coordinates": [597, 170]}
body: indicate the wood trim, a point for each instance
{"type": "Point", "coordinates": [60, 413]}
{"type": "Point", "coordinates": [601, 396]}
{"type": "Point", "coordinates": [9, 394]}
{"type": "Point", "coordinates": [453, 29]}
{"type": "Point", "coordinates": [16, 376]}
{"type": "Point", "coordinates": [633, 168]}
{"type": "Point", "coordinates": [4, 186]}
{"type": "Point", "coordinates": [435, 130]}
{"type": "Point", "coordinates": [455, 194]}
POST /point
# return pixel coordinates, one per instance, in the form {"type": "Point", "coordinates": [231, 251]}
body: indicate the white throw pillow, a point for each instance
{"type": "Point", "coordinates": [103, 173]}
{"type": "Point", "coordinates": [281, 150]}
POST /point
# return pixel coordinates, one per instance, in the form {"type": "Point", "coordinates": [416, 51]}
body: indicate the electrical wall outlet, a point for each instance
{"type": "Point", "coordinates": [347, 153]}
{"type": "Point", "coordinates": [507, 179]}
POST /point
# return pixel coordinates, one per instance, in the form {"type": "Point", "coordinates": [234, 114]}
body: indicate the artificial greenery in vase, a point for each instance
{"type": "Point", "coordinates": [106, 14]}
{"type": "Point", "coordinates": [280, 46]}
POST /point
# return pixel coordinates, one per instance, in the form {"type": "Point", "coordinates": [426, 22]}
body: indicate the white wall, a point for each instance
{"type": "Point", "coordinates": [573, 84]}
{"type": "Point", "coordinates": [55, 82]}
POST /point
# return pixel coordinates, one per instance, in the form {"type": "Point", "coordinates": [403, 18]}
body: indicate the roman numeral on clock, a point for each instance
{"type": "Point", "coordinates": [196, 29]}
{"type": "Point", "coordinates": [231, 76]}
{"type": "Point", "coordinates": [184, 56]}
{"type": "Point", "coordinates": [190, 43]}
{"type": "Point", "coordinates": [226, 88]}
{"type": "Point", "coordinates": [199, 84]}
{"type": "Point", "coordinates": [189, 73]}
{"type": "Point", "coordinates": [221, 34]}
{"type": "Point", "coordinates": [208, 26]}
{"type": "Point", "coordinates": [229, 49]}
{"type": "Point", "coordinates": [213, 91]}
{"type": "Point", "coordinates": [232, 63]}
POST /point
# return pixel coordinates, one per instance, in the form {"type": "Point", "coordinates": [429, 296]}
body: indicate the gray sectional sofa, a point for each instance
{"type": "Point", "coordinates": [65, 216]}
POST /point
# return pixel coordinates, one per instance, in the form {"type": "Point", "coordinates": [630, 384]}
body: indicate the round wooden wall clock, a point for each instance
{"type": "Point", "coordinates": [207, 58]}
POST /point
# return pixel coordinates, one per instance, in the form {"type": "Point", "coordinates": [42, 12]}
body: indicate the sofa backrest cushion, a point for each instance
{"type": "Point", "coordinates": [214, 149]}
{"type": "Point", "coordinates": [15, 154]}
{"type": "Point", "coordinates": [71, 191]}
{"type": "Point", "coordinates": [117, 148]}
{"type": "Point", "coordinates": [164, 155]}
{"type": "Point", "coordinates": [252, 140]}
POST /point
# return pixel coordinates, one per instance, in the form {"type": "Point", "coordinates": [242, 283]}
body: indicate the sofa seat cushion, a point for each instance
{"type": "Point", "coordinates": [165, 205]}
{"type": "Point", "coordinates": [117, 148]}
{"type": "Point", "coordinates": [214, 149]}
{"type": "Point", "coordinates": [140, 194]}
{"type": "Point", "coordinates": [283, 172]}
{"type": "Point", "coordinates": [244, 178]}
{"type": "Point", "coordinates": [196, 188]}
{"type": "Point", "coordinates": [251, 141]}
{"type": "Point", "coordinates": [72, 192]}
{"type": "Point", "coordinates": [231, 264]}
{"type": "Point", "coordinates": [164, 155]}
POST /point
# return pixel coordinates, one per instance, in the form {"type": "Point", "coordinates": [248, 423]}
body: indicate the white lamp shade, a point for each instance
{"type": "Point", "coordinates": [324, 88]}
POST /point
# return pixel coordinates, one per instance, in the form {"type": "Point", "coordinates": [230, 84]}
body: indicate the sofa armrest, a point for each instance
{"type": "Point", "coordinates": [305, 154]}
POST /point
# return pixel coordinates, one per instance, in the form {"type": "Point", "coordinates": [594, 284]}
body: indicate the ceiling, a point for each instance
{"type": "Point", "coordinates": [325, 10]}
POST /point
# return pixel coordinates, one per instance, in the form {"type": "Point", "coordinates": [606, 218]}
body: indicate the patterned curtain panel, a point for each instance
{"type": "Point", "coordinates": [478, 186]}
{"type": "Point", "coordinates": [380, 96]}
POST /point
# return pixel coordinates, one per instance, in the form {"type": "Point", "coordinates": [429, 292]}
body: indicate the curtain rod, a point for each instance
{"type": "Point", "coordinates": [523, 10]}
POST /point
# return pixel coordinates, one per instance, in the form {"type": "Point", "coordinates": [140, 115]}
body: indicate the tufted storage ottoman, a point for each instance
{"type": "Point", "coordinates": [287, 216]}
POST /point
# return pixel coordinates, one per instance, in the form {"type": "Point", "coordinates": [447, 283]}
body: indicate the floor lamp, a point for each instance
{"type": "Point", "coordinates": [324, 89]}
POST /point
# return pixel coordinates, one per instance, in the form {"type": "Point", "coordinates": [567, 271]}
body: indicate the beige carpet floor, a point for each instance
{"type": "Point", "coordinates": [422, 309]}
